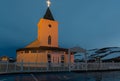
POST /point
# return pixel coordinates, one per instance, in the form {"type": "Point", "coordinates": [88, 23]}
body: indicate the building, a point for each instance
{"type": "Point", "coordinates": [4, 58]}
{"type": "Point", "coordinates": [7, 59]}
{"type": "Point", "coordinates": [45, 48]}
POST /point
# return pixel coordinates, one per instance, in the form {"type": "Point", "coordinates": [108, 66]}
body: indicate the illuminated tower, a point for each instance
{"type": "Point", "coordinates": [48, 30]}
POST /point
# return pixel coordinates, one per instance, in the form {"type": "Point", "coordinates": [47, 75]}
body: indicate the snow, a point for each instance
{"type": "Point", "coordinates": [91, 52]}
{"type": "Point", "coordinates": [115, 49]}
{"type": "Point", "coordinates": [101, 54]}
{"type": "Point", "coordinates": [112, 55]}
{"type": "Point", "coordinates": [79, 56]}
{"type": "Point", "coordinates": [111, 52]}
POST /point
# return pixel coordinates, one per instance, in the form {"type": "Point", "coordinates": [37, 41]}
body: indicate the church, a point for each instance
{"type": "Point", "coordinates": [45, 48]}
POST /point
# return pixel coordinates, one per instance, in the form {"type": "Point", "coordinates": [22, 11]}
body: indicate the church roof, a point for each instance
{"type": "Point", "coordinates": [35, 43]}
{"type": "Point", "coordinates": [44, 48]}
{"type": "Point", "coordinates": [48, 15]}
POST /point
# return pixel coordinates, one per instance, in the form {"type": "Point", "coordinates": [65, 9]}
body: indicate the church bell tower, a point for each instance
{"type": "Point", "coordinates": [48, 29]}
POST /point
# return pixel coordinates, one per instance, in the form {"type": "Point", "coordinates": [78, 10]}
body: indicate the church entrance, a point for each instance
{"type": "Point", "coordinates": [56, 58]}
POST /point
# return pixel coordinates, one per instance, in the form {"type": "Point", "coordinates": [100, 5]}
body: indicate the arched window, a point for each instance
{"type": "Point", "coordinates": [49, 40]}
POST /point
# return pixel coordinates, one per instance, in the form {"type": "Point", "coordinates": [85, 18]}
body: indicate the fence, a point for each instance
{"type": "Point", "coordinates": [6, 67]}
{"type": "Point", "coordinates": [95, 66]}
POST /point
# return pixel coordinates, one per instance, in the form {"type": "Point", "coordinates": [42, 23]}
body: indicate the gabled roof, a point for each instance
{"type": "Point", "coordinates": [48, 15]}
{"type": "Point", "coordinates": [35, 43]}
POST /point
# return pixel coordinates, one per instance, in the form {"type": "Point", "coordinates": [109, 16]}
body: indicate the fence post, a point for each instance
{"type": "Point", "coordinates": [21, 65]}
{"type": "Point", "coordinates": [86, 64]}
{"type": "Point", "coordinates": [101, 65]}
{"type": "Point", "coordinates": [7, 66]}
{"type": "Point", "coordinates": [28, 66]}
{"type": "Point", "coordinates": [69, 61]}
{"type": "Point", "coordinates": [47, 67]}
{"type": "Point", "coordinates": [15, 66]}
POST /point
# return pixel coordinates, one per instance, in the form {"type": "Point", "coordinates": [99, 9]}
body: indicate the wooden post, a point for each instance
{"type": "Point", "coordinates": [86, 65]}
{"type": "Point", "coordinates": [69, 63]}
{"type": "Point", "coordinates": [100, 64]}
{"type": "Point", "coordinates": [47, 67]}
{"type": "Point", "coordinates": [21, 65]}
{"type": "Point", "coordinates": [15, 66]}
{"type": "Point", "coordinates": [7, 66]}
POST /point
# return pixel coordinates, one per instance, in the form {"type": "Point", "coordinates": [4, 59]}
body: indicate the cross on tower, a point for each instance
{"type": "Point", "coordinates": [48, 3]}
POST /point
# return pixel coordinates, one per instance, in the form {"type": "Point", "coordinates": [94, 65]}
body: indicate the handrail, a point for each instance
{"type": "Point", "coordinates": [6, 67]}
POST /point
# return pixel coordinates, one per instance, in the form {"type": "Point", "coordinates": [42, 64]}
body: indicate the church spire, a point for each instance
{"type": "Point", "coordinates": [48, 15]}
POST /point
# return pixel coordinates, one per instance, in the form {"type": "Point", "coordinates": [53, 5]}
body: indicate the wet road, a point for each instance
{"type": "Point", "coordinates": [67, 76]}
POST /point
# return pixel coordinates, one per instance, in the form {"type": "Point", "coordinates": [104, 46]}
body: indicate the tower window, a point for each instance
{"type": "Point", "coordinates": [49, 40]}
{"type": "Point", "coordinates": [50, 25]}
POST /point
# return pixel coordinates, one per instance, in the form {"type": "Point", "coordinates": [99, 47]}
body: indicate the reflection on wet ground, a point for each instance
{"type": "Point", "coordinates": [67, 76]}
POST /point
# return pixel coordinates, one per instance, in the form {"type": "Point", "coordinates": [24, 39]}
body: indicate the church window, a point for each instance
{"type": "Point", "coordinates": [33, 51]}
{"type": "Point", "coordinates": [49, 57]}
{"type": "Point", "coordinates": [62, 57]}
{"type": "Point", "coordinates": [26, 51]}
{"type": "Point", "coordinates": [49, 40]}
{"type": "Point", "coordinates": [39, 51]}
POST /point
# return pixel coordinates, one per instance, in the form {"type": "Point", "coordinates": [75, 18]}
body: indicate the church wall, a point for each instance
{"type": "Point", "coordinates": [32, 57]}
{"type": "Point", "coordinates": [71, 58]}
{"type": "Point", "coordinates": [43, 57]}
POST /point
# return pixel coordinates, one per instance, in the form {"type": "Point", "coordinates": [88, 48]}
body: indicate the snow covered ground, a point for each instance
{"type": "Point", "coordinates": [103, 53]}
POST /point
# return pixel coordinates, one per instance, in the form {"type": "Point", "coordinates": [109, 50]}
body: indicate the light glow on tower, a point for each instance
{"type": "Point", "coordinates": [48, 3]}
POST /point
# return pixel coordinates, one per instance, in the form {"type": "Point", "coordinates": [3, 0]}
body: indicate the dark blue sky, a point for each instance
{"type": "Point", "coordinates": [86, 23]}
